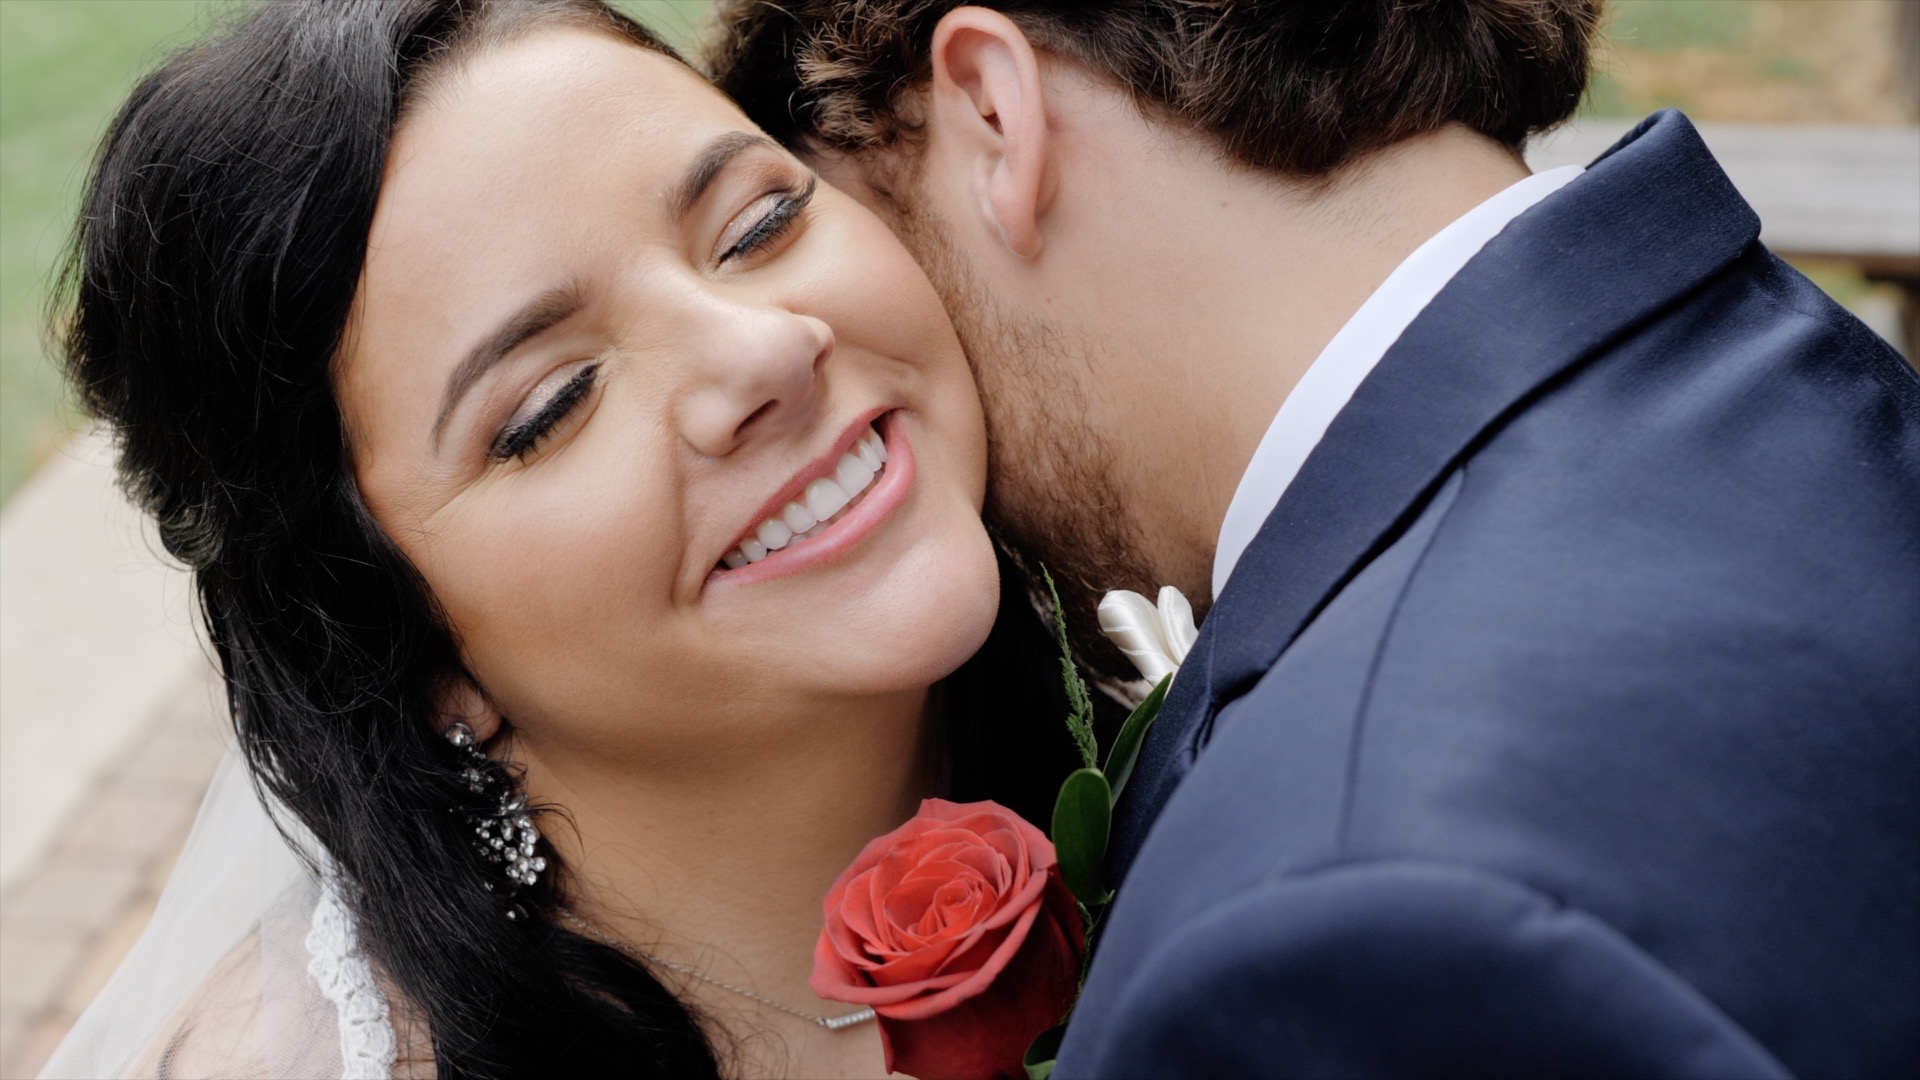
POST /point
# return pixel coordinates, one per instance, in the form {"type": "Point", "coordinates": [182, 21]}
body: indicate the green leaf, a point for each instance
{"type": "Point", "coordinates": [1133, 733]}
{"type": "Point", "coordinates": [1080, 720]}
{"type": "Point", "coordinates": [1046, 1047]}
{"type": "Point", "coordinates": [1081, 817]}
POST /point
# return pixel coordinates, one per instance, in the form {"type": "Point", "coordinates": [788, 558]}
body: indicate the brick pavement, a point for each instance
{"type": "Point", "coordinates": [66, 923]}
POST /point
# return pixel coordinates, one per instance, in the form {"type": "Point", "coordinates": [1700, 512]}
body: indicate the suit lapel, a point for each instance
{"type": "Point", "coordinates": [1650, 219]}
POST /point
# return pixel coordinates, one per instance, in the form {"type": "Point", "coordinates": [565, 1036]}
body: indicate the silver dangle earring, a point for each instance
{"type": "Point", "coordinates": [504, 837]}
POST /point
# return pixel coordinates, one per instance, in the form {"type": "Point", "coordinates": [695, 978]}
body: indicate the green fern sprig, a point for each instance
{"type": "Point", "coordinates": [1080, 719]}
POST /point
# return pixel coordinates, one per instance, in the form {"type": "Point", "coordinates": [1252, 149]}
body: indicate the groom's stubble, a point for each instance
{"type": "Point", "coordinates": [1053, 496]}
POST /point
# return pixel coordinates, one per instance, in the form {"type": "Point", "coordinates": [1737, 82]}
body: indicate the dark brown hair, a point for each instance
{"type": "Point", "coordinates": [1294, 86]}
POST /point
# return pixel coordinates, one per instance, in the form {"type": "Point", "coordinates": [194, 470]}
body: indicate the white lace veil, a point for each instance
{"type": "Point", "coordinates": [218, 984]}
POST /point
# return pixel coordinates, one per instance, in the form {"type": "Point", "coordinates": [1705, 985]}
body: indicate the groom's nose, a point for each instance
{"type": "Point", "coordinates": [756, 375]}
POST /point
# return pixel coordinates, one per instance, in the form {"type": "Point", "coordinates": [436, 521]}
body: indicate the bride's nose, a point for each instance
{"type": "Point", "coordinates": [758, 377]}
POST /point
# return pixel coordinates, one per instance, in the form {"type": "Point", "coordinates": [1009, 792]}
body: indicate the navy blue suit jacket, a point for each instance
{"type": "Point", "coordinates": [1564, 717]}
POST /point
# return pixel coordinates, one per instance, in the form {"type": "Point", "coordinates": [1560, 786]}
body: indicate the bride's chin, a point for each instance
{"type": "Point", "coordinates": [925, 620]}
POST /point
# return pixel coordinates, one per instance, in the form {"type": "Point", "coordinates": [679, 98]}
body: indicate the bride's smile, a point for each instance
{"type": "Point", "coordinates": [828, 502]}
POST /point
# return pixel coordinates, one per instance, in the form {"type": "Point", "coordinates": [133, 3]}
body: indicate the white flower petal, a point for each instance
{"type": "Point", "coordinates": [1176, 621]}
{"type": "Point", "coordinates": [1133, 624]}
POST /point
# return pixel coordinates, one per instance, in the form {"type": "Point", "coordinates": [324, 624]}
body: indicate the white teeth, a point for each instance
{"type": "Point", "coordinates": [774, 533]}
{"type": "Point", "coordinates": [826, 498]}
{"type": "Point", "coordinates": [853, 474]}
{"type": "Point", "coordinates": [798, 518]}
{"type": "Point", "coordinates": [808, 516]}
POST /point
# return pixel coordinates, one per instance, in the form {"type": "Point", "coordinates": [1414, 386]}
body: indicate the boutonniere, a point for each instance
{"type": "Point", "coordinates": [1156, 637]}
{"type": "Point", "coordinates": [967, 929]}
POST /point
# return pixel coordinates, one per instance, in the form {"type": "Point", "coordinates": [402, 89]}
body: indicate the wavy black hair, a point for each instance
{"type": "Point", "coordinates": [204, 302]}
{"type": "Point", "coordinates": [218, 252]}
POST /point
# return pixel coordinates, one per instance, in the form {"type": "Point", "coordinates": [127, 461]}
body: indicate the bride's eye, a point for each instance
{"type": "Point", "coordinates": [532, 425]}
{"type": "Point", "coordinates": [775, 223]}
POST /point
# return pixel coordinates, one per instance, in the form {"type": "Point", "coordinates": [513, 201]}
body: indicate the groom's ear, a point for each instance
{"type": "Point", "coordinates": [457, 699]}
{"type": "Point", "coordinates": [987, 105]}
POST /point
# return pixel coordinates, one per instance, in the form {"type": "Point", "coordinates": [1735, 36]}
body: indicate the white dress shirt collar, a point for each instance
{"type": "Point", "coordinates": [1340, 368]}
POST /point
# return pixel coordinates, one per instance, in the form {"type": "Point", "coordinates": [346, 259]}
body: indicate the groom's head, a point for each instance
{"type": "Point", "coordinates": [1073, 175]}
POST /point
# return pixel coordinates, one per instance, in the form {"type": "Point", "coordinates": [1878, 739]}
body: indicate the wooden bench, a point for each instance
{"type": "Point", "coordinates": [1849, 194]}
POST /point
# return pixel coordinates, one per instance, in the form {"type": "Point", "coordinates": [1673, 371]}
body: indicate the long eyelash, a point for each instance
{"type": "Point", "coordinates": [517, 440]}
{"type": "Point", "coordinates": [775, 224]}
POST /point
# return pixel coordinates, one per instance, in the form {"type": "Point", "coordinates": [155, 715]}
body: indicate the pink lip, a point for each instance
{"type": "Point", "coordinates": [876, 506]}
{"type": "Point", "coordinates": [811, 471]}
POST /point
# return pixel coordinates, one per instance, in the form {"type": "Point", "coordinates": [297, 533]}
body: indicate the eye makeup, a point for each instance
{"type": "Point", "coordinates": [521, 435]}
{"type": "Point", "coordinates": [775, 224]}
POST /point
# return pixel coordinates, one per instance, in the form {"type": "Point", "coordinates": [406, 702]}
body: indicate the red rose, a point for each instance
{"type": "Point", "coordinates": [958, 930]}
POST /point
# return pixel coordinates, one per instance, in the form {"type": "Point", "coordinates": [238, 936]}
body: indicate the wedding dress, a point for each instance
{"type": "Point", "coordinates": [251, 965]}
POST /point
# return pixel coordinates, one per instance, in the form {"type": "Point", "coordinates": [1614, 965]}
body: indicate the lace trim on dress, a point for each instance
{"type": "Point", "coordinates": [367, 1045]}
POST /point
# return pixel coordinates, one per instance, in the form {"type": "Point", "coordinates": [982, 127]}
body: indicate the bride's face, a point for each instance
{"type": "Point", "coordinates": [681, 440]}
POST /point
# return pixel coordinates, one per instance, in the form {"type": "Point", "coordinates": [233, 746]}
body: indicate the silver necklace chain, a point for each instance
{"type": "Point", "coordinates": [831, 1023]}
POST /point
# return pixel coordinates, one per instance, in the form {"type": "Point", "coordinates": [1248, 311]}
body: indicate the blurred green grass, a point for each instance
{"type": "Point", "coordinates": [65, 66]}
{"type": "Point", "coordinates": [1665, 25]}
{"type": "Point", "coordinates": [674, 20]}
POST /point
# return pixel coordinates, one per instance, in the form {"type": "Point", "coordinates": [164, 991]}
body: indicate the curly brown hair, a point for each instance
{"type": "Point", "coordinates": [1299, 87]}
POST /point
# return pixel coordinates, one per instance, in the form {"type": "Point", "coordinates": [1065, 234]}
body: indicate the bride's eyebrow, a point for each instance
{"type": "Point", "coordinates": [532, 319]}
{"type": "Point", "coordinates": [707, 166]}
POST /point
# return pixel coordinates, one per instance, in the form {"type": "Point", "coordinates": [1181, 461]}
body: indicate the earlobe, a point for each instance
{"type": "Point", "coordinates": [989, 106]}
{"type": "Point", "coordinates": [456, 700]}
